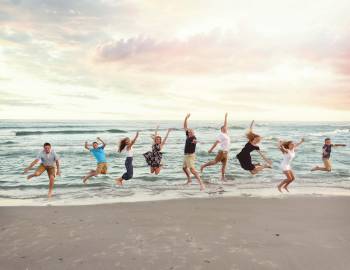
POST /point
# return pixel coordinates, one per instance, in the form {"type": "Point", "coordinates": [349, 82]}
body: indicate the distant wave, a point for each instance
{"type": "Point", "coordinates": [28, 133]}
{"type": "Point", "coordinates": [7, 142]}
{"type": "Point", "coordinates": [218, 128]}
{"type": "Point", "coordinates": [337, 131]}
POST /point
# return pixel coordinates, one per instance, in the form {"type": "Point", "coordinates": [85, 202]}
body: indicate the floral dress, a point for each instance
{"type": "Point", "coordinates": [154, 157]}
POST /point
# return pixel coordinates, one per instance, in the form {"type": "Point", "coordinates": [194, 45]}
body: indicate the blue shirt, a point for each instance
{"type": "Point", "coordinates": [99, 154]}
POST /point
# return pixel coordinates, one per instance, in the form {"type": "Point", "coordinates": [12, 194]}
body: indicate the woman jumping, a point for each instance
{"type": "Point", "coordinates": [288, 150]}
{"type": "Point", "coordinates": [127, 144]}
{"type": "Point", "coordinates": [154, 157]}
{"type": "Point", "coordinates": [244, 156]}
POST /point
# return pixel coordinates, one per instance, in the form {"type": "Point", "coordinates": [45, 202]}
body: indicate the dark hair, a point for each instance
{"type": "Point", "coordinates": [327, 139]}
{"type": "Point", "coordinates": [47, 144]}
{"type": "Point", "coordinates": [94, 142]}
{"type": "Point", "coordinates": [286, 144]}
{"type": "Point", "coordinates": [122, 144]}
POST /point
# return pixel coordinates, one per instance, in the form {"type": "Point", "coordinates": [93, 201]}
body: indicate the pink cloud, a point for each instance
{"type": "Point", "coordinates": [224, 52]}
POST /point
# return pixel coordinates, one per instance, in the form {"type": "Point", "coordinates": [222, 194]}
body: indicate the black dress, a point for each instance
{"type": "Point", "coordinates": [244, 157]}
{"type": "Point", "coordinates": [154, 157]}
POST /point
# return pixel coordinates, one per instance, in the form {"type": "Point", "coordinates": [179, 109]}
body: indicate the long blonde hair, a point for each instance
{"type": "Point", "coordinates": [251, 136]}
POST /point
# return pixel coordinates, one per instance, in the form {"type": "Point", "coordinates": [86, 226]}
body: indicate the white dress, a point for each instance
{"type": "Point", "coordinates": [287, 159]}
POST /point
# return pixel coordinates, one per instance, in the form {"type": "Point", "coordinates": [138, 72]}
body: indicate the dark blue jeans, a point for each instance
{"type": "Point", "coordinates": [129, 169]}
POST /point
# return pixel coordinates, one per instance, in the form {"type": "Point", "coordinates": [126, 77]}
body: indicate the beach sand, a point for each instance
{"type": "Point", "coordinates": [218, 233]}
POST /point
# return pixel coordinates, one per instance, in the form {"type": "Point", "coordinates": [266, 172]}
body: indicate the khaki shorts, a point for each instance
{"type": "Point", "coordinates": [101, 168]}
{"type": "Point", "coordinates": [189, 161]}
{"type": "Point", "coordinates": [327, 163]}
{"type": "Point", "coordinates": [221, 156]}
{"type": "Point", "coordinates": [51, 170]}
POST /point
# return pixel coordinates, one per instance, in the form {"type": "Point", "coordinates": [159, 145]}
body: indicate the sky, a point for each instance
{"type": "Point", "coordinates": [282, 60]}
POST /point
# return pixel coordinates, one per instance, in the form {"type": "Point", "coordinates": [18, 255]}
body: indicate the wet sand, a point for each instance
{"type": "Point", "coordinates": [220, 233]}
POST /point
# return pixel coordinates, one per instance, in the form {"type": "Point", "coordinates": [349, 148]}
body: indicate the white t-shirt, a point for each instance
{"type": "Point", "coordinates": [225, 141]}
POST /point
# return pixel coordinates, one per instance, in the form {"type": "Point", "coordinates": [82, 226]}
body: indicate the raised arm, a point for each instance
{"type": "Point", "coordinates": [31, 165]}
{"type": "Point", "coordinates": [86, 146]}
{"type": "Point", "coordinates": [134, 140]}
{"type": "Point", "coordinates": [213, 147]}
{"type": "Point", "coordinates": [186, 120]}
{"type": "Point", "coordinates": [103, 143]}
{"type": "Point", "coordinates": [281, 147]}
{"type": "Point", "coordinates": [299, 143]}
{"type": "Point", "coordinates": [251, 125]}
{"type": "Point", "coordinates": [225, 121]}
{"type": "Point", "coordinates": [166, 137]}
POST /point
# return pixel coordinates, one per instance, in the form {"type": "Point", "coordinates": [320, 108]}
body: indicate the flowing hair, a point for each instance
{"type": "Point", "coordinates": [122, 144]}
{"type": "Point", "coordinates": [286, 144]}
{"type": "Point", "coordinates": [251, 136]}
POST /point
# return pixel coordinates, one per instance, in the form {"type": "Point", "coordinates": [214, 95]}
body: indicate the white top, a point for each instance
{"type": "Point", "coordinates": [287, 159]}
{"type": "Point", "coordinates": [225, 141]}
{"type": "Point", "coordinates": [129, 153]}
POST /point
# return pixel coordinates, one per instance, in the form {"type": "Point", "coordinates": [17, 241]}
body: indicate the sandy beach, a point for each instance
{"type": "Point", "coordinates": [221, 233]}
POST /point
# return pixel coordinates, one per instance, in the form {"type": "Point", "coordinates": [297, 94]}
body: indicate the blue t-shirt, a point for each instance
{"type": "Point", "coordinates": [99, 154]}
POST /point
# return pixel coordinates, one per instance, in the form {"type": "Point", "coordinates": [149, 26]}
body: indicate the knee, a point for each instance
{"type": "Point", "coordinates": [193, 171]}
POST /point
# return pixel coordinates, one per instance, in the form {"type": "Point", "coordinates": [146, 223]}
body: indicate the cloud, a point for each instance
{"type": "Point", "coordinates": [216, 51]}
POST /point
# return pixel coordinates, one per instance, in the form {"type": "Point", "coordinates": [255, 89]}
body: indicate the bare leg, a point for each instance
{"type": "Point", "coordinates": [196, 174]}
{"type": "Point", "coordinates": [223, 170]}
{"type": "Point", "coordinates": [119, 181]}
{"type": "Point", "coordinates": [292, 177]}
{"type": "Point", "coordinates": [188, 175]}
{"type": "Point", "coordinates": [152, 170]}
{"type": "Point", "coordinates": [91, 174]}
{"type": "Point", "coordinates": [32, 175]}
{"type": "Point", "coordinates": [318, 168]}
{"type": "Point", "coordinates": [210, 163]}
{"type": "Point", "coordinates": [157, 170]}
{"type": "Point", "coordinates": [286, 181]}
{"type": "Point", "coordinates": [52, 181]}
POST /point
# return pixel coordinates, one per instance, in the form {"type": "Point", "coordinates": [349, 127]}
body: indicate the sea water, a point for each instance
{"type": "Point", "coordinates": [21, 141]}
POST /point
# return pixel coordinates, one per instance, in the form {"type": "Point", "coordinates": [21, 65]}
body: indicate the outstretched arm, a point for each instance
{"type": "Point", "coordinates": [166, 137]}
{"type": "Point", "coordinates": [338, 144]}
{"type": "Point", "coordinates": [186, 120]}
{"type": "Point", "coordinates": [213, 147]}
{"type": "Point", "coordinates": [103, 143]}
{"type": "Point", "coordinates": [133, 140]}
{"type": "Point", "coordinates": [264, 157]}
{"type": "Point", "coordinates": [225, 121]}
{"type": "Point", "coordinates": [31, 165]}
{"type": "Point", "coordinates": [299, 143]}
{"type": "Point", "coordinates": [86, 146]}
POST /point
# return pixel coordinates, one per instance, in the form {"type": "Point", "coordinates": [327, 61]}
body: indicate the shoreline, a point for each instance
{"type": "Point", "coordinates": [193, 194]}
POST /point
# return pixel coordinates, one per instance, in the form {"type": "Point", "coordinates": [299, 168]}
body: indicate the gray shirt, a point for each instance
{"type": "Point", "coordinates": [48, 159]}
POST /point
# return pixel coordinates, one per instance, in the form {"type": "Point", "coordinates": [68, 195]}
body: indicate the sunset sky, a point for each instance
{"type": "Point", "coordinates": [104, 59]}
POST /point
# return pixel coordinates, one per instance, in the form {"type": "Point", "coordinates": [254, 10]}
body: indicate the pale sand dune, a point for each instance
{"type": "Point", "coordinates": [229, 233]}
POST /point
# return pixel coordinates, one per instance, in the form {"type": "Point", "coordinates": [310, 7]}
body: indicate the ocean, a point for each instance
{"type": "Point", "coordinates": [21, 141]}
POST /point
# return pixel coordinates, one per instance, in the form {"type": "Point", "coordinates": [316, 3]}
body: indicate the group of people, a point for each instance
{"type": "Point", "coordinates": [49, 160]}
